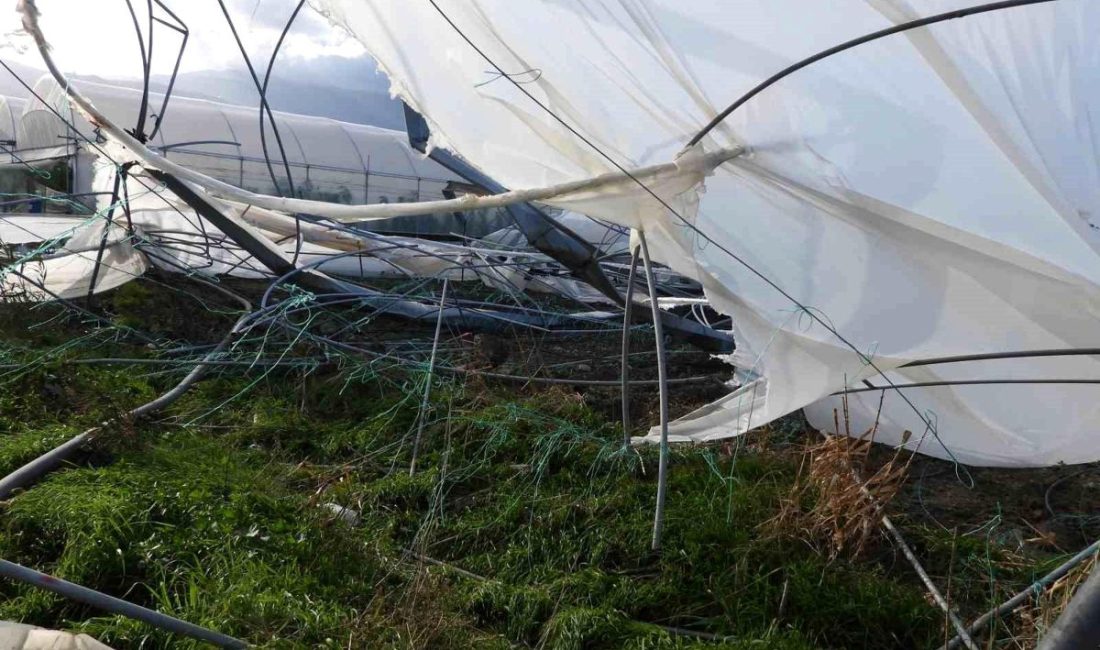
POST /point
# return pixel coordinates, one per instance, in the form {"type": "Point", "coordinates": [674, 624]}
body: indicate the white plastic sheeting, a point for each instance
{"type": "Point", "coordinates": [929, 194]}
{"type": "Point", "coordinates": [609, 239]}
{"type": "Point", "coordinates": [17, 636]}
{"type": "Point", "coordinates": [70, 268]}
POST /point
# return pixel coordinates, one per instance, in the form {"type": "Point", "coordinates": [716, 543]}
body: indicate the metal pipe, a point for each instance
{"type": "Point", "coordinates": [926, 579]}
{"type": "Point", "coordinates": [116, 605]}
{"type": "Point", "coordinates": [912, 24]}
{"type": "Point", "coordinates": [119, 176]}
{"type": "Point", "coordinates": [967, 382]}
{"type": "Point", "coordinates": [992, 356]}
{"type": "Point", "coordinates": [662, 379]}
{"type": "Point", "coordinates": [1079, 624]}
{"type": "Point", "coordinates": [1030, 592]}
{"type": "Point", "coordinates": [32, 471]}
{"type": "Point", "coordinates": [428, 381]}
{"type": "Point", "coordinates": [626, 345]}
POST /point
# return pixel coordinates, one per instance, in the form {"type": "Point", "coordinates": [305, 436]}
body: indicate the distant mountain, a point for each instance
{"type": "Point", "coordinates": [344, 89]}
{"type": "Point", "coordinates": [10, 87]}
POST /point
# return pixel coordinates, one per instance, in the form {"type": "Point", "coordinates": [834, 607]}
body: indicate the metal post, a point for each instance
{"type": "Point", "coordinates": [428, 381]}
{"type": "Point", "coordinates": [1079, 624]}
{"type": "Point", "coordinates": [366, 182]}
{"type": "Point", "coordinates": [626, 345]}
{"type": "Point", "coordinates": [662, 379]}
{"type": "Point", "coordinates": [115, 605]}
{"type": "Point", "coordinates": [119, 179]}
{"type": "Point", "coordinates": [937, 596]}
{"type": "Point", "coordinates": [1031, 591]}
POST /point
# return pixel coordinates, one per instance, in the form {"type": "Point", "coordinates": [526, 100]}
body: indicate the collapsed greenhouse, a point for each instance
{"type": "Point", "coordinates": [890, 229]}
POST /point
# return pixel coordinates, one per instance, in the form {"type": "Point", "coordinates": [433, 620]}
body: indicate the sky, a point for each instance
{"type": "Point", "coordinates": [321, 70]}
{"type": "Point", "coordinates": [97, 36]}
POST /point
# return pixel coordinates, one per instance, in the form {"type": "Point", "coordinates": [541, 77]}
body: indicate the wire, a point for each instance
{"type": "Point", "coordinates": [139, 128]}
{"type": "Point", "coordinates": [930, 427]}
{"type": "Point", "coordinates": [185, 33]}
{"type": "Point", "coordinates": [264, 106]}
{"type": "Point", "coordinates": [913, 24]}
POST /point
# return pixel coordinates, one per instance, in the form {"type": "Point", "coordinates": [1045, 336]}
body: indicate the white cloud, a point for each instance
{"type": "Point", "coordinates": [97, 36]}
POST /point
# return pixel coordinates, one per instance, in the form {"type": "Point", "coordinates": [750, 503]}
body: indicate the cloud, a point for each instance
{"type": "Point", "coordinates": [273, 14]}
{"type": "Point", "coordinates": [260, 22]}
{"type": "Point", "coordinates": [321, 70]}
{"type": "Point", "coordinates": [98, 37]}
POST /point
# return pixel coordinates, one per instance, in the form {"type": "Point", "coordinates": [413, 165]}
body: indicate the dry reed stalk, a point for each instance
{"type": "Point", "coordinates": [829, 503]}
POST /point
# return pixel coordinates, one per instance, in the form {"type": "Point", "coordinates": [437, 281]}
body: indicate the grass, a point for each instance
{"type": "Point", "coordinates": [536, 523]}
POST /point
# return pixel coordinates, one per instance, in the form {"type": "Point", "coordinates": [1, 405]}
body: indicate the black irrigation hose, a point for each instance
{"type": "Point", "coordinates": [263, 104]}
{"type": "Point", "coordinates": [267, 78]}
{"type": "Point", "coordinates": [912, 24]}
{"type": "Point", "coordinates": [1049, 490]}
{"type": "Point", "coordinates": [51, 460]}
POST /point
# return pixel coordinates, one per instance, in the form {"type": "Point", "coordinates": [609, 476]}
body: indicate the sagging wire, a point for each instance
{"type": "Point", "coordinates": [263, 106]}
{"type": "Point", "coordinates": [855, 42]}
{"type": "Point", "coordinates": [93, 143]}
{"type": "Point", "coordinates": [182, 29]}
{"type": "Point", "coordinates": [695, 229]}
{"type": "Point", "coordinates": [146, 65]}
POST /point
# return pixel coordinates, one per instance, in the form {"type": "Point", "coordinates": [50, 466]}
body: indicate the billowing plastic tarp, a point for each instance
{"type": "Point", "coordinates": [90, 261]}
{"type": "Point", "coordinates": [929, 194]}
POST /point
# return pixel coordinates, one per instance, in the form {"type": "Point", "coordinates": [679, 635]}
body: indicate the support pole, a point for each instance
{"type": "Point", "coordinates": [119, 177]}
{"type": "Point", "coordinates": [906, 550]}
{"type": "Point", "coordinates": [1079, 624]}
{"type": "Point", "coordinates": [1027, 594]}
{"type": "Point", "coordinates": [115, 605]}
{"type": "Point", "coordinates": [628, 303]}
{"type": "Point", "coordinates": [428, 381]}
{"type": "Point", "coordinates": [662, 379]}
{"type": "Point", "coordinates": [934, 591]}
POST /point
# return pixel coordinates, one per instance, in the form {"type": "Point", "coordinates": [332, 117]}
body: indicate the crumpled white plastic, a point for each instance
{"type": "Point", "coordinates": [930, 194]}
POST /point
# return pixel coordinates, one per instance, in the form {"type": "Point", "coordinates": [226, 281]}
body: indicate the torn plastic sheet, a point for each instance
{"type": "Point", "coordinates": [68, 271]}
{"type": "Point", "coordinates": [924, 195]}
{"type": "Point", "coordinates": [176, 240]}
